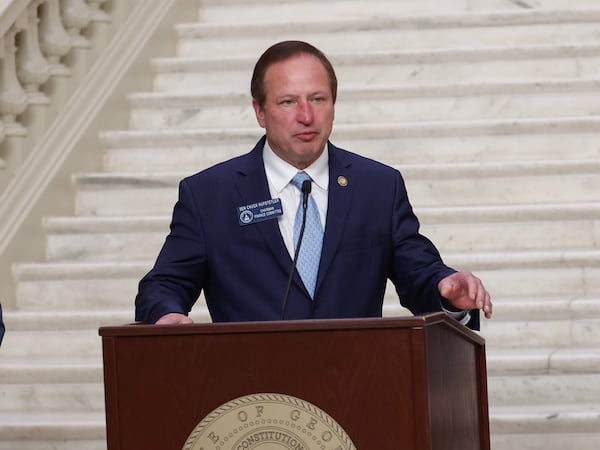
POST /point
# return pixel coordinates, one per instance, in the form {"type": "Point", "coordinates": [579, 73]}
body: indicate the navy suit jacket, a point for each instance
{"type": "Point", "coordinates": [371, 234]}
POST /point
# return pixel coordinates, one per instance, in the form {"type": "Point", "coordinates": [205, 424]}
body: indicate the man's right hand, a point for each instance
{"type": "Point", "coordinates": [174, 319]}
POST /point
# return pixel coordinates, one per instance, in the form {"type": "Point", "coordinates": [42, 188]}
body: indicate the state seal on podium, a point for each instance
{"type": "Point", "coordinates": [268, 421]}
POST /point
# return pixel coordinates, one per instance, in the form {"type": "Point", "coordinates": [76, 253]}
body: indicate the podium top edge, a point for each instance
{"type": "Point", "coordinates": [423, 321]}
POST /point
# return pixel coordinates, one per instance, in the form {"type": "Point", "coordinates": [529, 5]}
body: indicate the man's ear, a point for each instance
{"type": "Point", "coordinates": [258, 111]}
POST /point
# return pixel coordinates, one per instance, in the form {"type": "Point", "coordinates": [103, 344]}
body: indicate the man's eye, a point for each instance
{"type": "Point", "coordinates": [287, 102]}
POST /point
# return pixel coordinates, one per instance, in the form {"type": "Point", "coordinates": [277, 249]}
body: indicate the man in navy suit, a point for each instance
{"type": "Point", "coordinates": [243, 261]}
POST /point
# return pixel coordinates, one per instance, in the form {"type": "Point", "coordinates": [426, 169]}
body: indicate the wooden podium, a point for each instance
{"type": "Point", "coordinates": [415, 383]}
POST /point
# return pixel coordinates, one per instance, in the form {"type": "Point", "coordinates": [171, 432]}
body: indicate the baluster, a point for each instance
{"type": "Point", "coordinates": [100, 23]}
{"type": "Point", "coordinates": [55, 43]}
{"type": "Point", "coordinates": [32, 68]}
{"type": "Point", "coordinates": [13, 99]}
{"type": "Point", "coordinates": [76, 15]}
{"type": "Point", "coordinates": [2, 129]}
{"type": "Point", "coordinates": [117, 10]}
{"type": "Point", "coordinates": [97, 13]}
{"type": "Point", "coordinates": [54, 39]}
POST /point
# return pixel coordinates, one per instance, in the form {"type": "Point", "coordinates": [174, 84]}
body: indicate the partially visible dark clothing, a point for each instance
{"type": "Point", "coordinates": [2, 329]}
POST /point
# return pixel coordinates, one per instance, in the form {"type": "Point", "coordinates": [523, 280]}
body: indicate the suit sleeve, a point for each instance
{"type": "Point", "coordinates": [177, 278]}
{"type": "Point", "coordinates": [417, 266]}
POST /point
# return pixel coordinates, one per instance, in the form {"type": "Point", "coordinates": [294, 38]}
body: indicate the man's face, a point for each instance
{"type": "Point", "coordinates": [298, 112]}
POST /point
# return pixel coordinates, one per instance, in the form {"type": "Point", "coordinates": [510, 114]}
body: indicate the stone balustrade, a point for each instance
{"type": "Point", "coordinates": [43, 48]}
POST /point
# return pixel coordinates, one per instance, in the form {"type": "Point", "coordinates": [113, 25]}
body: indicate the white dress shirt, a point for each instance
{"type": "Point", "coordinates": [279, 176]}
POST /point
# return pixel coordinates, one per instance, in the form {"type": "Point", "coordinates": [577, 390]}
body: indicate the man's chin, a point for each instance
{"type": "Point", "coordinates": [303, 161]}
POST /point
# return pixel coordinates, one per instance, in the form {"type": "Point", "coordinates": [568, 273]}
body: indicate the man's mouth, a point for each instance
{"type": "Point", "coordinates": [306, 135]}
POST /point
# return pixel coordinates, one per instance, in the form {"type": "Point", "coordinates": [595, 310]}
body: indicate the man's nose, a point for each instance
{"type": "Point", "coordinates": [305, 113]}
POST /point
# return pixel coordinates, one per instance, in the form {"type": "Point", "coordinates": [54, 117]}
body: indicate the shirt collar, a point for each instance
{"type": "Point", "coordinates": [281, 172]}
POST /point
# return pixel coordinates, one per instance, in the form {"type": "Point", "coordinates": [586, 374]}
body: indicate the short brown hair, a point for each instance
{"type": "Point", "coordinates": [281, 52]}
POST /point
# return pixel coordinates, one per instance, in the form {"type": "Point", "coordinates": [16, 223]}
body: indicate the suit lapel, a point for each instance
{"type": "Point", "coordinates": [252, 186]}
{"type": "Point", "coordinates": [338, 206]}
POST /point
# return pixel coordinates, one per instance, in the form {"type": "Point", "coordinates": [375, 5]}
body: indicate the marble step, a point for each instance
{"type": "Point", "coordinates": [409, 143]}
{"type": "Point", "coordinates": [236, 11]}
{"type": "Point", "coordinates": [502, 361]}
{"type": "Point", "coordinates": [543, 389]}
{"type": "Point", "coordinates": [27, 369]}
{"type": "Point", "coordinates": [89, 239]}
{"type": "Point", "coordinates": [519, 227]}
{"type": "Point", "coordinates": [56, 318]}
{"type": "Point", "coordinates": [511, 310]}
{"type": "Point", "coordinates": [68, 286]}
{"type": "Point", "coordinates": [472, 184]}
{"type": "Point", "coordinates": [394, 32]}
{"type": "Point", "coordinates": [68, 317]}
{"type": "Point", "coordinates": [470, 64]}
{"type": "Point", "coordinates": [53, 427]}
{"type": "Point", "coordinates": [169, 150]}
{"type": "Point", "coordinates": [559, 333]}
{"type": "Point", "coordinates": [546, 419]}
{"type": "Point", "coordinates": [511, 227]}
{"type": "Point", "coordinates": [396, 103]}
{"type": "Point", "coordinates": [55, 343]}
{"type": "Point", "coordinates": [59, 444]}
{"type": "Point", "coordinates": [502, 183]}
{"type": "Point", "coordinates": [537, 277]}
{"type": "Point", "coordinates": [556, 441]}
{"type": "Point", "coordinates": [52, 397]}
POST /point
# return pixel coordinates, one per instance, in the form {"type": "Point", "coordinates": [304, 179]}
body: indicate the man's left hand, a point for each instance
{"type": "Point", "coordinates": [465, 291]}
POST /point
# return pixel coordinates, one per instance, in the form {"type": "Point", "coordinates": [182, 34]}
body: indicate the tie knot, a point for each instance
{"type": "Point", "coordinates": [300, 178]}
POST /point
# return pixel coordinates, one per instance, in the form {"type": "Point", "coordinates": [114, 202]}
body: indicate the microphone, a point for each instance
{"type": "Point", "coordinates": [306, 188]}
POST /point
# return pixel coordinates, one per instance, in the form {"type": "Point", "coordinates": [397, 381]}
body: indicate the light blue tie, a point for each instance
{"type": "Point", "coordinates": [312, 240]}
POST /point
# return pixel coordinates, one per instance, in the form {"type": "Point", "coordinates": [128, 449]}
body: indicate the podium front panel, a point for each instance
{"type": "Point", "coordinates": [372, 377]}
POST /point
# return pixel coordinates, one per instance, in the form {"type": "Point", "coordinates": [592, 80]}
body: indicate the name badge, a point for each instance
{"type": "Point", "coordinates": [259, 212]}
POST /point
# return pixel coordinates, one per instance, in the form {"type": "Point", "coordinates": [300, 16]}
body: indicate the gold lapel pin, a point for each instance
{"type": "Point", "coordinates": [342, 181]}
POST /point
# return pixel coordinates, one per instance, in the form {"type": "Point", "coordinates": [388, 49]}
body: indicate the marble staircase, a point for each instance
{"type": "Point", "coordinates": [489, 109]}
